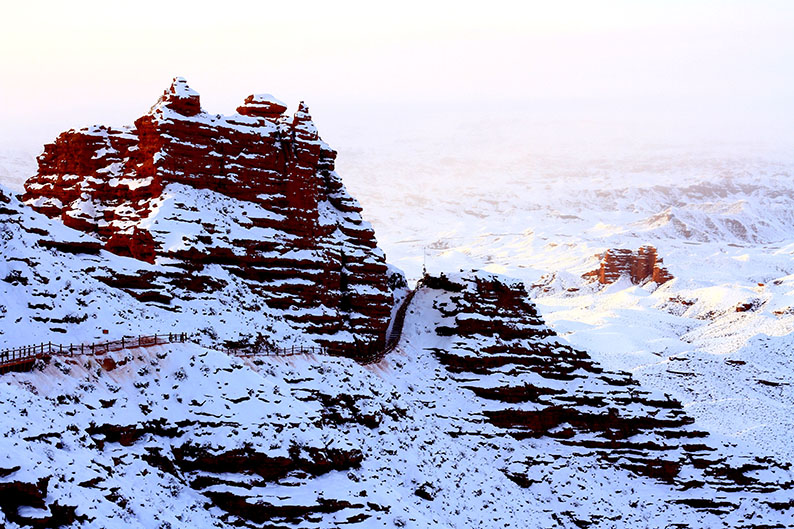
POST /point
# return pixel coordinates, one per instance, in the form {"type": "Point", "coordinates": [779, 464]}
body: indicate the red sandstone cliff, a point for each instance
{"type": "Point", "coordinates": [639, 266]}
{"type": "Point", "coordinates": [254, 192]}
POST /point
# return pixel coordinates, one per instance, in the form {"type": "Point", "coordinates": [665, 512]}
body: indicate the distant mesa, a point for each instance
{"type": "Point", "coordinates": [639, 266]}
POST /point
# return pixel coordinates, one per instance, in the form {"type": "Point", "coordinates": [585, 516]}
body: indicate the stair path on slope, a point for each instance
{"type": "Point", "coordinates": [396, 330]}
{"type": "Point", "coordinates": [23, 358]}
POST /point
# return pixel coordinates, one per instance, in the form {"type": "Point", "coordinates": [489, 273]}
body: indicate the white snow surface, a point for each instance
{"type": "Point", "coordinates": [430, 433]}
{"type": "Point", "coordinates": [721, 217]}
{"type": "Point", "coordinates": [53, 296]}
{"type": "Point", "coordinates": [267, 98]}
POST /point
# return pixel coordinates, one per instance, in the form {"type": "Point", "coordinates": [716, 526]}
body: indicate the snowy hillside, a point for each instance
{"type": "Point", "coordinates": [455, 429]}
{"type": "Point", "coordinates": [654, 405]}
{"type": "Point", "coordinates": [238, 225]}
{"type": "Point", "coordinates": [721, 218]}
{"type": "Point", "coordinates": [67, 289]}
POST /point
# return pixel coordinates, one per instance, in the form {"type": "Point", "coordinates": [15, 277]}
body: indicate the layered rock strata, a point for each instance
{"type": "Point", "coordinates": [254, 193]}
{"type": "Point", "coordinates": [639, 266]}
{"type": "Point", "coordinates": [536, 389]}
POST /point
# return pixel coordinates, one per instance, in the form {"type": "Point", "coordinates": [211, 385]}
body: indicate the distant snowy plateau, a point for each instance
{"type": "Point", "coordinates": [644, 405]}
{"type": "Point", "coordinates": [723, 223]}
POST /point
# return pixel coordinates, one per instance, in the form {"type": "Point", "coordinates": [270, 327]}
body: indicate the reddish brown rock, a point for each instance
{"type": "Point", "coordinates": [263, 105]}
{"type": "Point", "coordinates": [309, 254]}
{"type": "Point", "coordinates": [181, 98]}
{"type": "Point", "coordinates": [639, 266]}
{"type": "Point", "coordinates": [25, 505]}
{"type": "Point", "coordinates": [136, 243]}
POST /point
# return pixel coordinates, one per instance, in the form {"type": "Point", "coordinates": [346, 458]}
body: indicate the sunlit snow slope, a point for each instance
{"type": "Point", "coordinates": [481, 418]}
{"type": "Point", "coordinates": [717, 338]}
{"type": "Point", "coordinates": [498, 195]}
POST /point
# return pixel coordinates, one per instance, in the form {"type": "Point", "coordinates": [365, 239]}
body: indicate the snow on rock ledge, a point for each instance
{"type": "Point", "coordinates": [481, 418]}
{"type": "Point", "coordinates": [577, 426]}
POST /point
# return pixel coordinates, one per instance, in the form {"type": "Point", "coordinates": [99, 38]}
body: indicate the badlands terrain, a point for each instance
{"type": "Point", "coordinates": [720, 216]}
{"type": "Point", "coordinates": [524, 394]}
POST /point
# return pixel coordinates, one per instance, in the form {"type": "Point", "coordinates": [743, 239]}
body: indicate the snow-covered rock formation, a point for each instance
{"type": "Point", "coordinates": [639, 266]}
{"type": "Point", "coordinates": [481, 418]}
{"type": "Point", "coordinates": [222, 204]}
{"type": "Point", "coordinates": [641, 405]}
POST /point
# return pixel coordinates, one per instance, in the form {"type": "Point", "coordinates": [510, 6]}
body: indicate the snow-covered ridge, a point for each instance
{"type": "Point", "coordinates": [457, 428]}
{"type": "Point", "coordinates": [721, 220]}
{"type": "Point", "coordinates": [245, 207]}
{"type": "Point", "coordinates": [717, 338]}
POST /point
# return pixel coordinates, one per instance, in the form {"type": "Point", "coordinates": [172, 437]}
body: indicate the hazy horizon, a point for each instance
{"type": "Point", "coordinates": [697, 73]}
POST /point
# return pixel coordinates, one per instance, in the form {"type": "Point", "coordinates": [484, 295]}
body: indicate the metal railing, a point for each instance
{"type": "Point", "coordinates": [22, 358]}
{"type": "Point", "coordinates": [396, 330]}
{"type": "Point", "coordinates": [275, 351]}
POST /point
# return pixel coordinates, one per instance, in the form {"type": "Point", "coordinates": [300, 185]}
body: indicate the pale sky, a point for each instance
{"type": "Point", "coordinates": [725, 66]}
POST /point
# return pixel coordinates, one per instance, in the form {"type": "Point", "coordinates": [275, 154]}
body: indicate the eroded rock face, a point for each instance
{"type": "Point", "coordinates": [639, 266]}
{"type": "Point", "coordinates": [254, 192]}
{"type": "Point", "coordinates": [273, 454]}
{"type": "Point", "coordinates": [15, 495]}
{"type": "Point", "coordinates": [263, 105]}
{"type": "Point", "coordinates": [482, 418]}
{"type": "Point", "coordinates": [536, 388]}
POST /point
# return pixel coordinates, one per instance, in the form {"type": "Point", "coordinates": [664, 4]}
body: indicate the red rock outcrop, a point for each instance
{"type": "Point", "coordinates": [535, 386]}
{"type": "Point", "coordinates": [254, 192]}
{"type": "Point", "coordinates": [639, 266]}
{"type": "Point", "coordinates": [15, 495]}
{"type": "Point", "coordinates": [263, 105]}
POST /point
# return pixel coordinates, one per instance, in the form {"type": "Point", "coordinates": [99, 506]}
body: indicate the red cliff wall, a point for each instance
{"type": "Point", "coordinates": [318, 261]}
{"type": "Point", "coordinates": [637, 265]}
